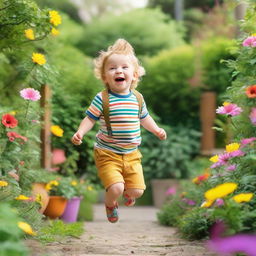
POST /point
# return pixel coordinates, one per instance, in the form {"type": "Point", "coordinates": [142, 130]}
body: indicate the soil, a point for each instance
{"type": "Point", "coordinates": [136, 233]}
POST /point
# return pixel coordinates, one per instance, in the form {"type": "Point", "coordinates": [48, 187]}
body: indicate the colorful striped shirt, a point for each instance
{"type": "Point", "coordinates": [124, 120]}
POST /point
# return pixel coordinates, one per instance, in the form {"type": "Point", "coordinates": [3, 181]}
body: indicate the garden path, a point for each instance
{"type": "Point", "coordinates": [136, 233]}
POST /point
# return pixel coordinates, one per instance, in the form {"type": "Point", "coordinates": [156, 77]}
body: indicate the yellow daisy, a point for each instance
{"type": "Point", "coordinates": [57, 131]}
{"type": "Point", "coordinates": [29, 33]}
{"type": "Point", "coordinates": [220, 191]}
{"type": "Point", "coordinates": [214, 159]}
{"type": "Point", "coordinates": [73, 183]}
{"type": "Point", "coordinates": [243, 197]}
{"type": "Point", "coordinates": [55, 32]}
{"type": "Point", "coordinates": [3, 183]}
{"type": "Point", "coordinates": [26, 228]}
{"type": "Point", "coordinates": [55, 18]}
{"type": "Point", "coordinates": [22, 197]}
{"type": "Point", "coordinates": [232, 147]}
{"type": "Point", "coordinates": [38, 58]}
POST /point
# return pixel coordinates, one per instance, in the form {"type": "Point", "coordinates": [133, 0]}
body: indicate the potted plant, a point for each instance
{"type": "Point", "coordinates": [60, 190]}
{"type": "Point", "coordinates": [72, 208]}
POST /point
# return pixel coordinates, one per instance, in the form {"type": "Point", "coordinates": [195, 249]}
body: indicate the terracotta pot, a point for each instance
{"type": "Point", "coordinates": [39, 188]}
{"type": "Point", "coordinates": [55, 207]}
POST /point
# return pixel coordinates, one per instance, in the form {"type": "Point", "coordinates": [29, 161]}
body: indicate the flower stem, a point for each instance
{"type": "Point", "coordinates": [26, 115]}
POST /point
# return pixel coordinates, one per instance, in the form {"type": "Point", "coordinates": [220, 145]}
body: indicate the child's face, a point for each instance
{"type": "Point", "coordinates": [119, 73]}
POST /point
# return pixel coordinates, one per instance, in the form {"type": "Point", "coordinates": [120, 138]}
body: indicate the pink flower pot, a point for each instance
{"type": "Point", "coordinates": [71, 211]}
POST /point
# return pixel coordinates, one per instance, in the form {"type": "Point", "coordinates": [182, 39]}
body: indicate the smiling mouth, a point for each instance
{"type": "Point", "coordinates": [119, 79]}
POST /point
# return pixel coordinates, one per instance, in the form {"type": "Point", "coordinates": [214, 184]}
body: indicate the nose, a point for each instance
{"type": "Point", "coordinates": [119, 70]}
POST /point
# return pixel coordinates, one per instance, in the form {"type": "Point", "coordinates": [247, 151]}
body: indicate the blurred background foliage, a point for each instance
{"type": "Point", "coordinates": [173, 53]}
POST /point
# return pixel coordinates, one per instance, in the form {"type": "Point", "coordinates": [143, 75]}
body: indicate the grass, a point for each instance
{"type": "Point", "coordinates": [56, 230]}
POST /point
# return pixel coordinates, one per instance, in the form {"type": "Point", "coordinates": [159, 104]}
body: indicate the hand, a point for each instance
{"type": "Point", "coordinates": [77, 138]}
{"type": "Point", "coordinates": [161, 134]}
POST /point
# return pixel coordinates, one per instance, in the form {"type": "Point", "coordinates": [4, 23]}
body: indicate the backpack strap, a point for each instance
{"type": "Point", "coordinates": [105, 106]}
{"type": "Point", "coordinates": [139, 99]}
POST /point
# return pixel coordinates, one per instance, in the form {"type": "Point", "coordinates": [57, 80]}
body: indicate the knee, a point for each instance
{"type": "Point", "coordinates": [116, 189]}
{"type": "Point", "coordinates": [136, 193]}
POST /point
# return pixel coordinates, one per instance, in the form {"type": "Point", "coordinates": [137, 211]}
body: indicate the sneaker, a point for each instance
{"type": "Point", "coordinates": [112, 213]}
{"type": "Point", "coordinates": [128, 201]}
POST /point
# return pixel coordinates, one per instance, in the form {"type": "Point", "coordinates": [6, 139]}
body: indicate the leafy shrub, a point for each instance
{"type": "Point", "coordinates": [169, 158]}
{"type": "Point", "coordinates": [166, 86]}
{"type": "Point", "coordinates": [195, 224]}
{"type": "Point", "coordinates": [159, 33]}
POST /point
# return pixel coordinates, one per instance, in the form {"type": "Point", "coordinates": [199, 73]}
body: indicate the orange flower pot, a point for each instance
{"type": "Point", "coordinates": [55, 207]}
{"type": "Point", "coordinates": [39, 188]}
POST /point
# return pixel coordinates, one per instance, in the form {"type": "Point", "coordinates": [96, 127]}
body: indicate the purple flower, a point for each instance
{"type": "Point", "coordinates": [250, 41]}
{"type": "Point", "coordinates": [170, 191]}
{"type": "Point", "coordinates": [229, 109]}
{"type": "Point", "coordinates": [231, 167]}
{"type": "Point", "coordinates": [219, 202]}
{"type": "Point", "coordinates": [236, 153]}
{"type": "Point", "coordinates": [253, 116]}
{"type": "Point", "coordinates": [188, 201]}
{"type": "Point", "coordinates": [248, 140]}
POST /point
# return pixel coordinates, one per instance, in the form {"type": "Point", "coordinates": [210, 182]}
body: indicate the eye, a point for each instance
{"type": "Point", "coordinates": [125, 67]}
{"type": "Point", "coordinates": [112, 68]}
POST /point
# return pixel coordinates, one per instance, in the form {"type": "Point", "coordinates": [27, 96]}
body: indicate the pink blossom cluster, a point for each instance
{"type": "Point", "coordinates": [13, 135]}
{"type": "Point", "coordinates": [250, 41]}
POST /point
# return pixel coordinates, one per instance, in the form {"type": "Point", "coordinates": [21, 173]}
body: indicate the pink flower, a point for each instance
{"type": "Point", "coordinates": [189, 201]}
{"type": "Point", "coordinates": [253, 116]}
{"type": "Point", "coordinates": [30, 94]}
{"type": "Point", "coordinates": [236, 153]}
{"type": "Point", "coordinates": [248, 140]}
{"type": "Point", "coordinates": [229, 109]}
{"type": "Point", "coordinates": [170, 191]}
{"type": "Point", "coordinates": [250, 41]}
{"type": "Point", "coordinates": [13, 135]}
{"type": "Point", "coordinates": [219, 202]}
{"type": "Point", "coordinates": [231, 167]}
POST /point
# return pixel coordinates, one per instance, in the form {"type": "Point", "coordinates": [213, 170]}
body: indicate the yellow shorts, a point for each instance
{"type": "Point", "coordinates": [114, 168]}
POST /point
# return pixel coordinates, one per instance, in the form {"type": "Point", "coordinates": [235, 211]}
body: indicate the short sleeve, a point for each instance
{"type": "Point", "coordinates": [144, 110]}
{"type": "Point", "coordinates": [95, 109]}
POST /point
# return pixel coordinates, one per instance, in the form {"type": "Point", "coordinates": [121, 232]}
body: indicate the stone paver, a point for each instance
{"type": "Point", "coordinates": [136, 233]}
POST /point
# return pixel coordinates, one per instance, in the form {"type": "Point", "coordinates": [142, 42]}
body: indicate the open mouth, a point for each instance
{"type": "Point", "coordinates": [119, 79]}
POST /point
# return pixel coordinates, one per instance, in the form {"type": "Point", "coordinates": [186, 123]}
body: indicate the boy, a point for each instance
{"type": "Point", "coordinates": [116, 153]}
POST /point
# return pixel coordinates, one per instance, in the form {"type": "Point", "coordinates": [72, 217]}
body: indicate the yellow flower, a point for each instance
{"type": "Point", "coordinates": [195, 180]}
{"type": "Point", "coordinates": [73, 183]}
{"type": "Point", "coordinates": [55, 32]}
{"type": "Point", "coordinates": [38, 58]}
{"type": "Point", "coordinates": [220, 191]}
{"type": "Point", "coordinates": [89, 188]}
{"type": "Point", "coordinates": [226, 103]}
{"type": "Point", "coordinates": [38, 199]}
{"type": "Point", "coordinates": [22, 197]}
{"type": "Point", "coordinates": [55, 18]}
{"type": "Point", "coordinates": [243, 197]}
{"type": "Point", "coordinates": [29, 33]}
{"type": "Point", "coordinates": [254, 34]}
{"type": "Point", "coordinates": [214, 159]}
{"type": "Point", "coordinates": [13, 113]}
{"type": "Point", "coordinates": [232, 147]}
{"type": "Point", "coordinates": [207, 204]}
{"type": "Point", "coordinates": [26, 228]}
{"type": "Point", "coordinates": [3, 183]}
{"type": "Point", "coordinates": [56, 130]}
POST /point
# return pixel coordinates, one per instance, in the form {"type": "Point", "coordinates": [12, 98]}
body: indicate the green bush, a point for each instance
{"type": "Point", "coordinates": [158, 33]}
{"type": "Point", "coordinates": [166, 86]}
{"type": "Point", "coordinates": [169, 158]}
{"type": "Point", "coordinates": [216, 75]}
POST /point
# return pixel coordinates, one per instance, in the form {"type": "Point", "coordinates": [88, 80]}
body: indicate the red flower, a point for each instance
{"type": "Point", "coordinates": [251, 91]}
{"type": "Point", "coordinates": [9, 121]}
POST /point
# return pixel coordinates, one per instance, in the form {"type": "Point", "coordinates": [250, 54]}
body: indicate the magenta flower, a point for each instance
{"type": "Point", "coordinates": [236, 153]}
{"type": "Point", "coordinates": [247, 140]}
{"type": "Point", "coordinates": [219, 202]}
{"type": "Point", "coordinates": [170, 191]}
{"type": "Point", "coordinates": [253, 116]}
{"type": "Point", "coordinates": [229, 109]}
{"type": "Point", "coordinates": [231, 167]}
{"type": "Point", "coordinates": [250, 41]}
{"type": "Point", "coordinates": [30, 94]}
{"type": "Point", "coordinates": [189, 201]}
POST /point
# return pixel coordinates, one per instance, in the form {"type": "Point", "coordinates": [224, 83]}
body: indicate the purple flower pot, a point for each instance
{"type": "Point", "coordinates": [71, 210]}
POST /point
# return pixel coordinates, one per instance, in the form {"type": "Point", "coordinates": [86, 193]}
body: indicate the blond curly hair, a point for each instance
{"type": "Point", "coordinates": [121, 46]}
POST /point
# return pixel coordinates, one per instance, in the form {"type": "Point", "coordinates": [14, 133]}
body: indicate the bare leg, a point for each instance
{"type": "Point", "coordinates": [134, 192]}
{"type": "Point", "coordinates": [112, 194]}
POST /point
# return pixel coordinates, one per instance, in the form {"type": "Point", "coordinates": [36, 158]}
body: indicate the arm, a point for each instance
{"type": "Point", "coordinates": [149, 124]}
{"type": "Point", "coordinates": [84, 127]}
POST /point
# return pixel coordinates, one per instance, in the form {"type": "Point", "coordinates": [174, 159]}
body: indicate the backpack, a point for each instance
{"type": "Point", "coordinates": [105, 105]}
